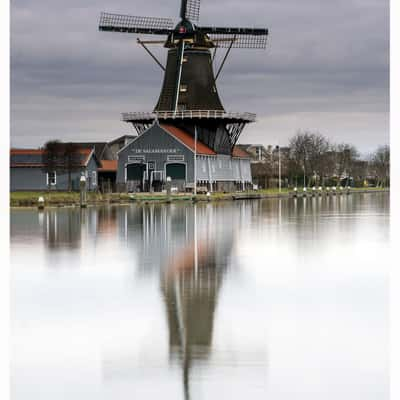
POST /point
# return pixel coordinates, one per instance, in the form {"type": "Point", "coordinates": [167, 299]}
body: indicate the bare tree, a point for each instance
{"type": "Point", "coordinates": [346, 156]}
{"type": "Point", "coordinates": [262, 173]}
{"type": "Point", "coordinates": [63, 158]}
{"type": "Point", "coordinates": [308, 152]}
{"type": "Point", "coordinates": [380, 163]}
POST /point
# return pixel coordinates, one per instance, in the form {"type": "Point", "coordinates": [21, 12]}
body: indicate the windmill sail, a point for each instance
{"type": "Point", "coordinates": [190, 9]}
{"type": "Point", "coordinates": [134, 24]}
{"type": "Point", "coordinates": [244, 38]}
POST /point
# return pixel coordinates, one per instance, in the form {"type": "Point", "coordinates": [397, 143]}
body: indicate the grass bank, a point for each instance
{"type": "Point", "coordinates": [56, 199]}
{"type": "Point", "coordinates": [30, 199]}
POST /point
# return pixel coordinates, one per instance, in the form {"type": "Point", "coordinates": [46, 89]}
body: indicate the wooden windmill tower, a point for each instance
{"type": "Point", "coordinates": [189, 96]}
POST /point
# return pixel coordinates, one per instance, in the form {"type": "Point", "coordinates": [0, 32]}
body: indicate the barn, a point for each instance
{"type": "Point", "coordinates": [168, 151]}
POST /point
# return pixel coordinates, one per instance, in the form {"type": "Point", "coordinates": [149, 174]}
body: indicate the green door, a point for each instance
{"type": "Point", "coordinates": [134, 172]}
{"type": "Point", "coordinates": [176, 171]}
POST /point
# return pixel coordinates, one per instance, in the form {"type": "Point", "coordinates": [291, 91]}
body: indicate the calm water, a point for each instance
{"type": "Point", "coordinates": [274, 299]}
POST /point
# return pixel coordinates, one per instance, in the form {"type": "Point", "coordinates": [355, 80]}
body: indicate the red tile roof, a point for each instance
{"type": "Point", "coordinates": [238, 152]}
{"type": "Point", "coordinates": [37, 162]}
{"type": "Point", "coordinates": [108, 165]}
{"type": "Point", "coordinates": [26, 151]}
{"type": "Point", "coordinates": [41, 151]}
{"type": "Point", "coordinates": [188, 140]}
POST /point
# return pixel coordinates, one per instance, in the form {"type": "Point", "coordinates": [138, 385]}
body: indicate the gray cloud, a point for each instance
{"type": "Point", "coordinates": [326, 68]}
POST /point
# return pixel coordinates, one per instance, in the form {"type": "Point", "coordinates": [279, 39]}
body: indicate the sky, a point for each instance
{"type": "Point", "coordinates": [325, 69]}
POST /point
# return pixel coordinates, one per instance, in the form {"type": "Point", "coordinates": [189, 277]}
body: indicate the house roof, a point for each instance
{"type": "Point", "coordinates": [240, 153]}
{"type": "Point", "coordinates": [203, 149]}
{"type": "Point", "coordinates": [34, 157]}
{"type": "Point", "coordinates": [123, 137]}
{"type": "Point", "coordinates": [188, 140]}
{"type": "Point", "coordinates": [98, 147]}
{"type": "Point", "coordinates": [108, 166]}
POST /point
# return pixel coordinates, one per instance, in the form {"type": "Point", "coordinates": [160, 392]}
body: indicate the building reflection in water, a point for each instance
{"type": "Point", "coordinates": [189, 250]}
{"type": "Point", "coordinates": [62, 228]}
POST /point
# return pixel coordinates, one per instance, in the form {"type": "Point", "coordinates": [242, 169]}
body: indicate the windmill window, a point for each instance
{"type": "Point", "coordinates": [185, 59]}
{"type": "Point", "coordinates": [183, 88]}
{"type": "Point", "coordinates": [214, 89]}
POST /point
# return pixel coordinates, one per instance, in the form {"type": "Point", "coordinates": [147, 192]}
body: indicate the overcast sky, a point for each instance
{"type": "Point", "coordinates": [326, 68]}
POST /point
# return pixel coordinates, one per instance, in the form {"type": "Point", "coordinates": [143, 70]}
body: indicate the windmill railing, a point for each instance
{"type": "Point", "coordinates": [188, 114]}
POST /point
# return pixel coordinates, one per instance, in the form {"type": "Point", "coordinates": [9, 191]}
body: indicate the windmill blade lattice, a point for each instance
{"type": "Point", "coordinates": [240, 41]}
{"type": "Point", "coordinates": [134, 24]}
{"type": "Point", "coordinates": [244, 38]}
{"type": "Point", "coordinates": [192, 10]}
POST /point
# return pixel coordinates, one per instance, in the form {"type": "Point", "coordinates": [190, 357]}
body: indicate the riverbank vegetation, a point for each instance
{"type": "Point", "coordinates": [311, 159]}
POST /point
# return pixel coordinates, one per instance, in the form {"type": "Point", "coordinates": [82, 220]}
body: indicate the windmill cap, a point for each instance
{"type": "Point", "coordinates": [185, 27]}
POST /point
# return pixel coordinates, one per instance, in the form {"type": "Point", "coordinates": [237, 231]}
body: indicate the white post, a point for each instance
{"type": "Point", "coordinates": [40, 203]}
{"type": "Point", "coordinates": [210, 174]}
{"type": "Point", "coordinates": [179, 78]}
{"type": "Point", "coordinates": [196, 262]}
{"type": "Point", "coordinates": [195, 160]}
{"type": "Point", "coordinates": [279, 168]}
{"type": "Point", "coordinates": [82, 187]}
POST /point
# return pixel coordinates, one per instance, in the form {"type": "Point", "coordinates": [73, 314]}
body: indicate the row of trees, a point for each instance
{"type": "Point", "coordinates": [312, 160]}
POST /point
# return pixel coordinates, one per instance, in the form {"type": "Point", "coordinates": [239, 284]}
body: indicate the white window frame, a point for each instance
{"type": "Point", "coordinates": [178, 158]}
{"type": "Point", "coordinates": [94, 178]}
{"type": "Point", "coordinates": [133, 159]}
{"type": "Point", "coordinates": [48, 180]}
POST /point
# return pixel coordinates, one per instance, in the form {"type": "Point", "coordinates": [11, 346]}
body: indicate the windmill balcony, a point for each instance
{"type": "Point", "coordinates": [189, 114]}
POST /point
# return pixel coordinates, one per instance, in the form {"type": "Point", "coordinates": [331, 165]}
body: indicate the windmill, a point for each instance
{"type": "Point", "coordinates": [189, 96]}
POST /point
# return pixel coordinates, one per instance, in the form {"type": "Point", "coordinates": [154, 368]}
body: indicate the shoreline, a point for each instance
{"type": "Point", "coordinates": [71, 199]}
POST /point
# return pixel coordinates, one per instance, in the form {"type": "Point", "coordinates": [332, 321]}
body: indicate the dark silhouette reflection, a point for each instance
{"type": "Point", "coordinates": [66, 228]}
{"type": "Point", "coordinates": [190, 282]}
{"type": "Point", "coordinates": [107, 221]}
{"type": "Point", "coordinates": [62, 228]}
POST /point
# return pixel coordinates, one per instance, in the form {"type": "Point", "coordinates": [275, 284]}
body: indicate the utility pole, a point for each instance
{"type": "Point", "coordinates": [195, 160]}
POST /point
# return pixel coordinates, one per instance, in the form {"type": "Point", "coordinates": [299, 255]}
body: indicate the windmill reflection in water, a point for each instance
{"type": "Point", "coordinates": [191, 284]}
